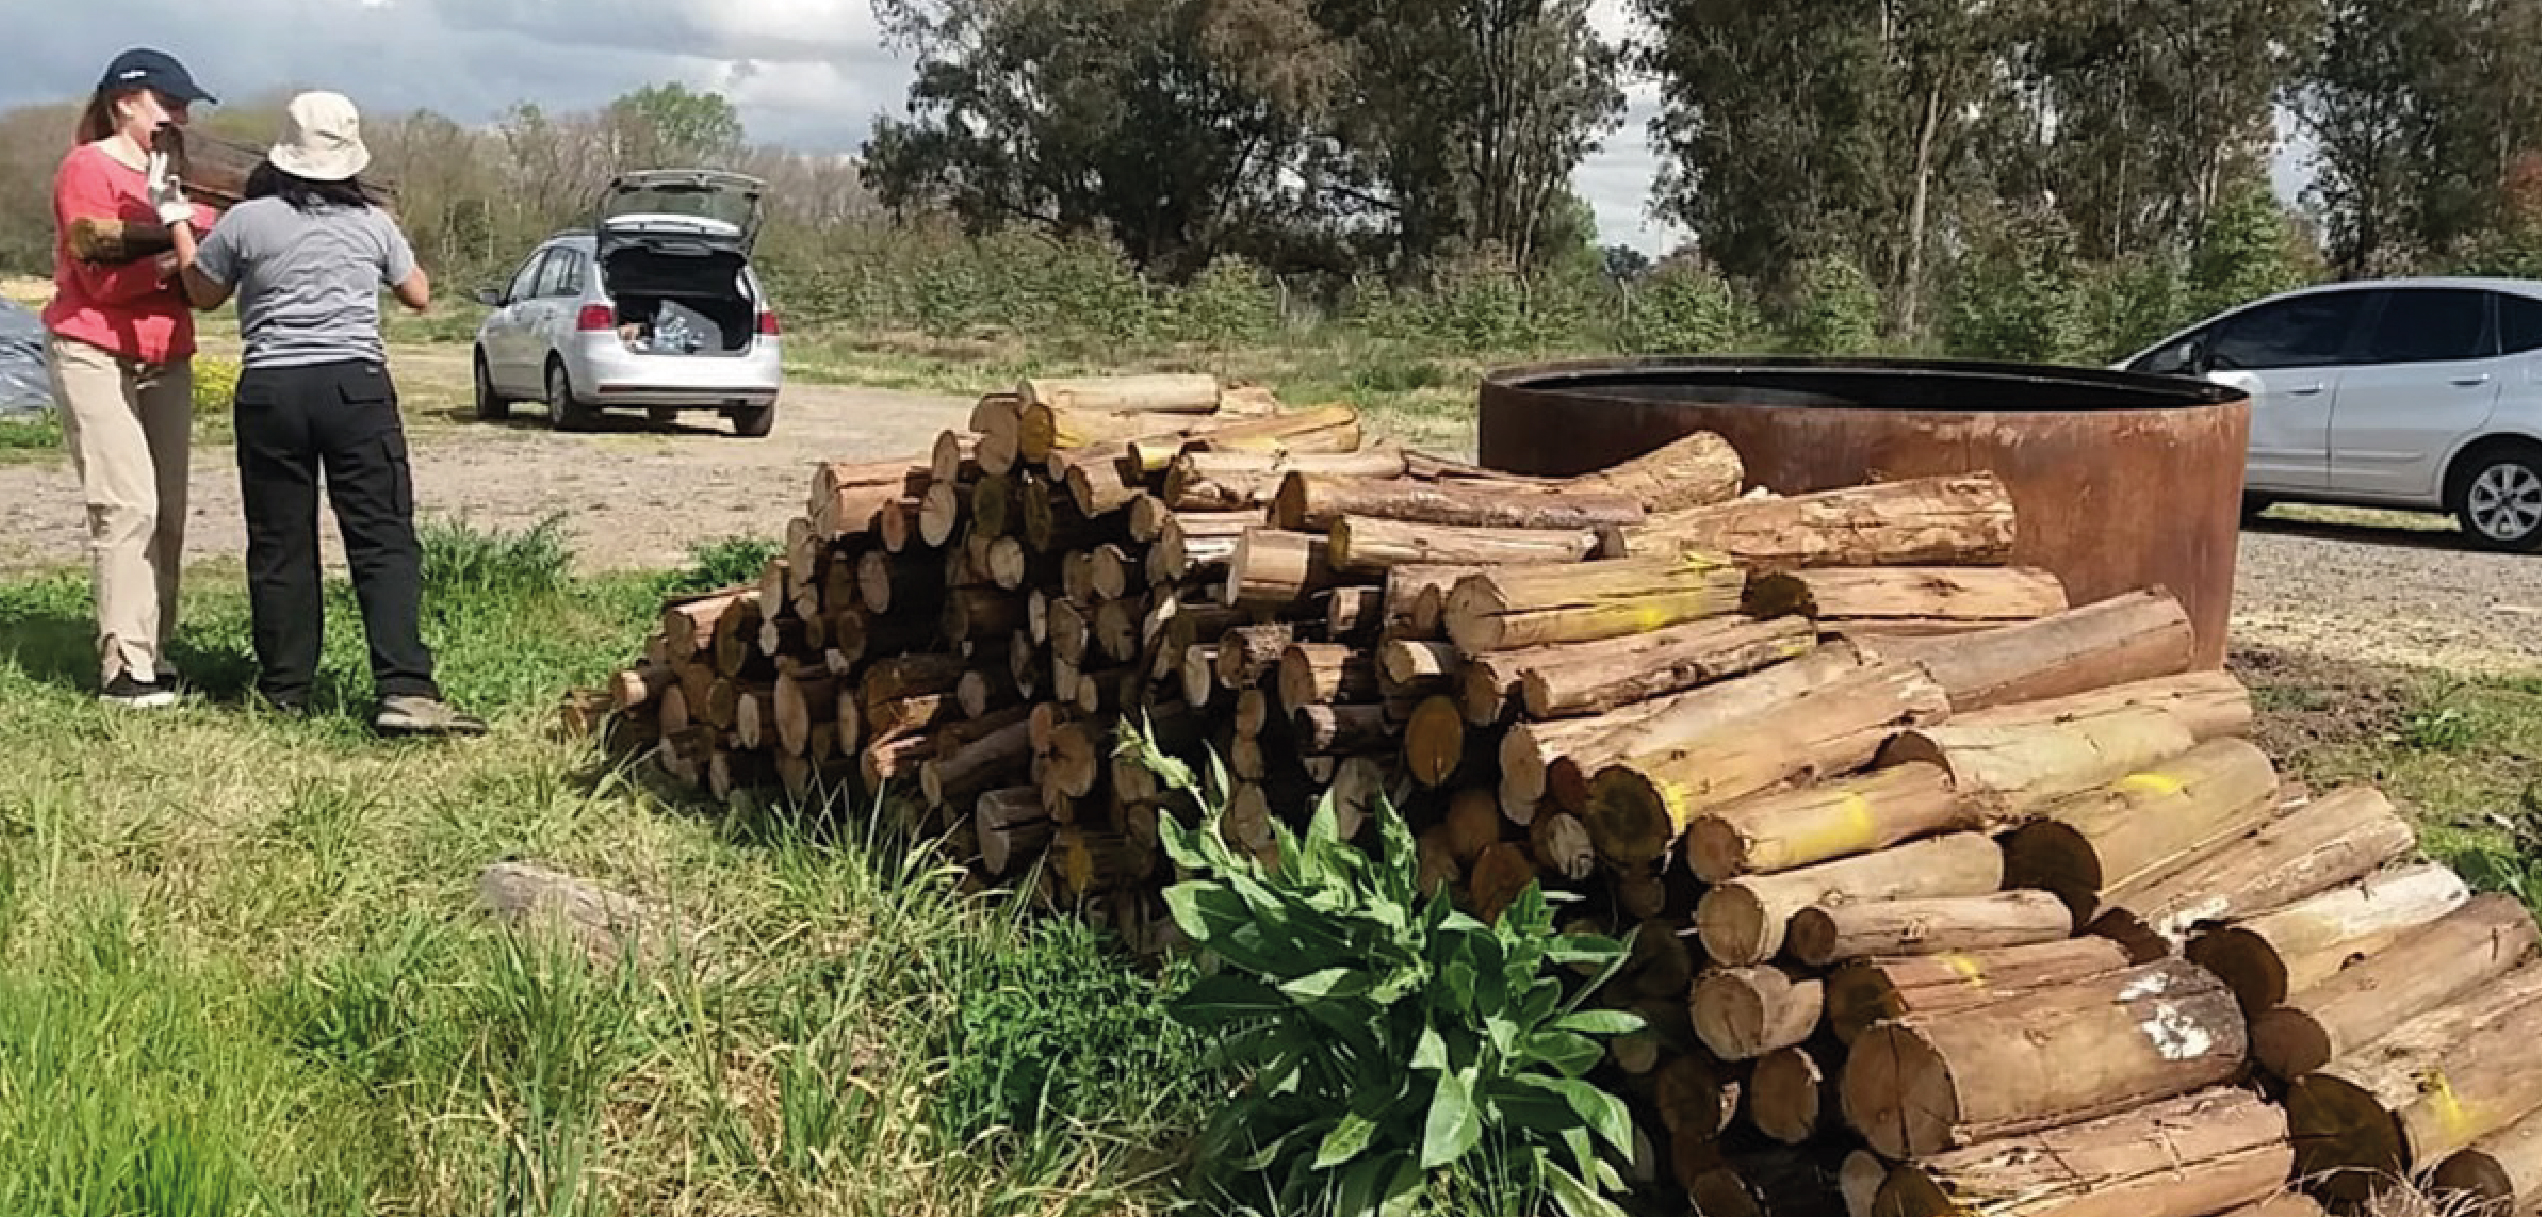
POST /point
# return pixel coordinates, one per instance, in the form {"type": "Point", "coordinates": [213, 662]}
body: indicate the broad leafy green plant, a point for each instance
{"type": "Point", "coordinates": [1398, 1048]}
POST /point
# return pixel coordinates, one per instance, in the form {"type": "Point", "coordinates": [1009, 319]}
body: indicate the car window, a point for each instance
{"type": "Point", "coordinates": [525, 284]}
{"type": "Point", "coordinates": [2430, 325]}
{"type": "Point", "coordinates": [2519, 324]}
{"type": "Point", "coordinates": [2177, 358]}
{"type": "Point", "coordinates": [2308, 331]}
{"type": "Point", "coordinates": [561, 277]}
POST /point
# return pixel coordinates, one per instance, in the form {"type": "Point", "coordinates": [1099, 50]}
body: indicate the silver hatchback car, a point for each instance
{"type": "Point", "coordinates": [654, 308]}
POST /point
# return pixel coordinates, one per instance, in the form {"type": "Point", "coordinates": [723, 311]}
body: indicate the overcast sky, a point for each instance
{"type": "Point", "coordinates": [808, 73]}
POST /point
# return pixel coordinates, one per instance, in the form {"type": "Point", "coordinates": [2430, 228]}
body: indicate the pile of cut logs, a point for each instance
{"type": "Point", "coordinates": [1944, 895]}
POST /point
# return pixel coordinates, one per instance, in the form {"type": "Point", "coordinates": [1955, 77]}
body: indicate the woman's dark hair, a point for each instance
{"type": "Point", "coordinates": [305, 194]}
{"type": "Point", "coordinates": [97, 118]}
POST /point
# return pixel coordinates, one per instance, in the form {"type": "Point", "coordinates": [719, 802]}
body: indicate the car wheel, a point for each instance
{"type": "Point", "coordinates": [491, 406]}
{"type": "Point", "coordinates": [2498, 498]}
{"type": "Point", "coordinates": [755, 422]}
{"type": "Point", "coordinates": [564, 413]}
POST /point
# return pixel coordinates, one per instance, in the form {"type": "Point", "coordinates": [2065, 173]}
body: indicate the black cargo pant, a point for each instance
{"type": "Point", "coordinates": [339, 418]}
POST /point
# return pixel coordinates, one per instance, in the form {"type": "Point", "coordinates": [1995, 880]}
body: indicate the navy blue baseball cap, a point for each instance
{"type": "Point", "coordinates": [157, 71]}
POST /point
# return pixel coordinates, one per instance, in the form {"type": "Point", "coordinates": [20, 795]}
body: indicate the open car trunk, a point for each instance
{"type": "Point", "coordinates": [673, 245]}
{"type": "Point", "coordinates": [672, 303]}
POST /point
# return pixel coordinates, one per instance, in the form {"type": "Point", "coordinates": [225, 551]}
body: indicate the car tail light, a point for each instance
{"type": "Point", "coordinates": [596, 319]}
{"type": "Point", "coordinates": [767, 323]}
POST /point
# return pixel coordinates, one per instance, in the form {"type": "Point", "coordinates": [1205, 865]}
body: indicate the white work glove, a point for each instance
{"type": "Point", "coordinates": [167, 196]}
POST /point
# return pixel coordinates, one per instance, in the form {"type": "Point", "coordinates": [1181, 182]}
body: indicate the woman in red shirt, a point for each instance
{"type": "Point", "coordinates": [121, 351]}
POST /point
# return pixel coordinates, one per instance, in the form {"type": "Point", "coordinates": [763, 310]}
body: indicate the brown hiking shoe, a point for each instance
{"type": "Point", "coordinates": [408, 715]}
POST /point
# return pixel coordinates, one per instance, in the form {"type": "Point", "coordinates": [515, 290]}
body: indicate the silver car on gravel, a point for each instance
{"type": "Point", "coordinates": [655, 307]}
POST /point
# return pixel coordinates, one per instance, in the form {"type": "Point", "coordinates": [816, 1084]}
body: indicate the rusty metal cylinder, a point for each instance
{"type": "Point", "coordinates": [2121, 481]}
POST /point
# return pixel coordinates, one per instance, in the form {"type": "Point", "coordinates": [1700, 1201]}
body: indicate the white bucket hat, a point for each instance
{"type": "Point", "coordinates": [321, 139]}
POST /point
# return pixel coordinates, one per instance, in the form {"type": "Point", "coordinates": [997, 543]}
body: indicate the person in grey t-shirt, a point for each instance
{"type": "Point", "coordinates": [306, 256]}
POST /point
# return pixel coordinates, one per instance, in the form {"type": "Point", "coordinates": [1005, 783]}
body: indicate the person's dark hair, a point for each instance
{"type": "Point", "coordinates": [97, 118]}
{"type": "Point", "coordinates": [304, 194]}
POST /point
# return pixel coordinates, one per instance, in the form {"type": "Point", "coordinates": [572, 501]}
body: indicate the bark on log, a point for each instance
{"type": "Point", "coordinates": [1406, 589]}
{"type": "Point", "coordinates": [639, 685]}
{"type": "Point", "coordinates": [1234, 481]}
{"type": "Point", "coordinates": [1277, 569]}
{"type": "Point", "coordinates": [2427, 1090]}
{"type": "Point", "coordinates": [2135, 637]}
{"type": "Point", "coordinates": [1696, 471]}
{"type": "Point", "coordinates": [1953, 521]}
{"type": "Point", "coordinates": [1426, 664]}
{"type": "Point", "coordinates": [1600, 677]}
{"type": "Point", "coordinates": [1366, 544]}
{"type": "Point", "coordinates": [2339, 837]}
{"type": "Point", "coordinates": [2425, 969]}
{"type": "Point", "coordinates": [1046, 428]}
{"type": "Point", "coordinates": [2193, 1156]}
{"type": "Point", "coordinates": [952, 779]}
{"type": "Point", "coordinates": [2502, 1170]}
{"type": "Point", "coordinates": [847, 499]}
{"type": "Point", "coordinates": [2098, 848]}
{"type": "Point", "coordinates": [1786, 830]}
{"type": "Point", "coordinates": [1343, 730]}
{"type": "Point", "coordinates": [2004, 773]}
{"type": "Point", "coordinates": [904, 676]}
{"type": "Point", "coordinates": [1822, 935]}
{"type": "Point", "coordinates": [1154, 393]}
{"type": "Point", "coordinates": [2212, 705]}
{"type": "Point", "coordinates": [1870, 991]}
{"type": "Point", "coordinates": [1500, 610]}
{"type": "Point", "coordinates": [2058, 1056]}
{"type": "Point", "coordinates": [1322, 431]}
{"type": "Point", "coordinates": [1089, 861]}
{"type": "Point", "coordinates": [1540, 759]}
{"type": "Point", "coordinates": [1012, 827]}
{"type": "Point", "coordinates": [1744, 1013]}
{"type": "Point", "coordinates": [1321, 673]}
{"type": "Point", "coordinates": [1249, 653]}
{"type": "Point", "coordinates": [2269, 956]}
{"type": "Point", "coordinates": [1640, 806]}
{"type": "Point", "coordinates": [1745, 921]}
{"type": "Point", "coordinates": [1309, 502]}
{"type": "Point", "coordinates": [1858, 594]}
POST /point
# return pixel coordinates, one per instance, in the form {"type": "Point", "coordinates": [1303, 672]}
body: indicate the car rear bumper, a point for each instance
{"type": "Point", "coordinates": [611, 375]}
{"type": "Point", "coordinates": [685, 399]}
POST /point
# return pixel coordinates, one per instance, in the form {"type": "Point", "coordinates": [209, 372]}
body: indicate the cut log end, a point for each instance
{"type": "Point", "coordinates": [1897, 1093]}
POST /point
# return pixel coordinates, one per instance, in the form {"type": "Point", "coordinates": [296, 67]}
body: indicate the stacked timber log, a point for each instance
{"type": "Point", "coordinates": [1943, 894]}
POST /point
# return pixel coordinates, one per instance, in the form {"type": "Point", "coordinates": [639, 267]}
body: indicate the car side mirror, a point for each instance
{"type": "Point", "coordinates": [491, 297]}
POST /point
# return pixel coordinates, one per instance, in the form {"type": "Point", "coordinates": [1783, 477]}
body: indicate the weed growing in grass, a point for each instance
{"type": "Point", "coordinates": [1054, 1033]}
{"type": "Point", "coordinates": [723, 563]}
{"type": "Point", "coordinates": [43, 433]}
{"type": "Point", "coordinates": [1401, 1055]}
{"type": "Point", "coordinates": [467, 563]}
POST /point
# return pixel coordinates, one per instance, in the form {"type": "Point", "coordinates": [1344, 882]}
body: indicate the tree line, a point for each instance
{"type": "Point", "coordinates": [2053, 179]}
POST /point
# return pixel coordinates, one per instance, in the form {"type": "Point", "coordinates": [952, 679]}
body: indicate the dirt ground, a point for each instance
{"type": "Point", "coordinates": [638, 494]}
{"type": "Point", "coordinates": [2381, 588]}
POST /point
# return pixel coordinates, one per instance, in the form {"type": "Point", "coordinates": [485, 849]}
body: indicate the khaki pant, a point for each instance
{"type": "Point", "coordinates": [129, 425]}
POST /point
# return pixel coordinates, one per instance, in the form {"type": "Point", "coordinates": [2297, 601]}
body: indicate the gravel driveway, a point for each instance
{"type": "Point", "coordinates": [2386, 588]}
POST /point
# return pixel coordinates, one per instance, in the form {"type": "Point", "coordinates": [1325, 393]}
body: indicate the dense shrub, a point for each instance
{"type": "Point", "coordinates": [1684, 307]}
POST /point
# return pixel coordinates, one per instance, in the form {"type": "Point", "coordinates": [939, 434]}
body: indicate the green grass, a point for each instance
{"type": "Point", "coordinates": [2461, 754]}
{"type": "Point", "coordinates": [240, 970]}
{"type": "Point", "coordinates": [39, 438]}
